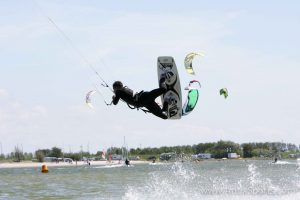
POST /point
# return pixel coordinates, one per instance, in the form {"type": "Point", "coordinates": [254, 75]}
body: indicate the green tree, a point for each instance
{"type": "Point", "coordinates": [28, 156]}
{"type": "Point", "coordinates": [74, 156]}
{"type": "Point", "coordinates": [18, 154]}
{"type": "Point", "coordinates": [114, 150]}
{"type": "Point", "coordinates": [40, 155]}
{"type": "Point", "coordinates": [99, 153]}
{"type": "Point", "coordinates": [203, 148]}
{"type": "Point", "coordinates": [222, 148]}
{"type": "Point", "coordinates": [56, 152]}
{"type": "Point", "coordinates": [262, 152]}
{"type": "Point", "coordinates": [247, 150]}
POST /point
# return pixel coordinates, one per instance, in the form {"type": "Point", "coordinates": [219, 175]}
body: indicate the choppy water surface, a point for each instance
{"type": "Point", "coordinates": [229, 179]}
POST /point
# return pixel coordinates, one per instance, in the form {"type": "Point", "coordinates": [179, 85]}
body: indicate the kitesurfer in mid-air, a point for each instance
{"type": "Point", "coordinates": [142, 99]}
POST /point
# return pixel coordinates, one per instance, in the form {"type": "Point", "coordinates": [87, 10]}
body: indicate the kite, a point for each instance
{"type": "Point", "coordinates": [192, 97]}
{"type": "Point", "coordinates": [224, 92]}
{"type": "Point", "coordinates": [188, 62]}
{"type": "Point", "coordinates": [88, 98]}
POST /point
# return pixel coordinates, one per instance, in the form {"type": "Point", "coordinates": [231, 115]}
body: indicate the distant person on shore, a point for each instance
{"type": "Point", "coordinates": [275, 160]}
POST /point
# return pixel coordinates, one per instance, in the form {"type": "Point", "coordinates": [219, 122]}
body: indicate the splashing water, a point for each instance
{"type": "Point", "coordinates": [217, 180]}
{"type": "Point", "coordinates": [209, 180]}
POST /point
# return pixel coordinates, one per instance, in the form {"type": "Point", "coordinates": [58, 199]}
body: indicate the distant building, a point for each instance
{"type": "Point", "coordinates": [116, 157]}
{"type": "Point", "coordinates": [202, 156]}
{"type": "Point", "coordinates": [233, 155]}
{"type": "Point", "coordinates": [168, 156]}
{"type": "Point", "coordinates": [134, 158]}
{"type": "Point", "coordinates": [69, 160]}
{"type": "Point", "coordinates": [100, 158]}
{"type": "Point", "coordinates": [294, 155]}
{"type": "Point", "coordinates": [50, 159]}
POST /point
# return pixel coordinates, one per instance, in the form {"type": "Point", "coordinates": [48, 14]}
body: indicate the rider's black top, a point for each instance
{"type": "Point", "coordinates": [126, 95]}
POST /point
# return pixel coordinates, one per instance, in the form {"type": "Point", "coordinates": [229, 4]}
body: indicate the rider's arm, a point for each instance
{"type": "Point", "coordinates": [116, 98]}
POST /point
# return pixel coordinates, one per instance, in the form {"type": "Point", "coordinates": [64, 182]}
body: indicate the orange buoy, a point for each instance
{"type": "Point", "coordinates": [44, 169]}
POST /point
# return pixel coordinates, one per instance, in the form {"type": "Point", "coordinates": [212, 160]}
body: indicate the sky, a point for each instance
{"type": "Point", "coordinates": [250, 47]}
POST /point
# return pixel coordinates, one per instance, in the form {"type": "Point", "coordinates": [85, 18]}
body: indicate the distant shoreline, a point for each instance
{"type": "Point", "coordinates": [30, 164]}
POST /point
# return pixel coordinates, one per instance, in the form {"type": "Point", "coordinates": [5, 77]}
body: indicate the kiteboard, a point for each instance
{"type": "Point", "coordinates": [166, 65]}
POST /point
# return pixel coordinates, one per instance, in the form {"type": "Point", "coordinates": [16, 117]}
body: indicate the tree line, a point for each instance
{"type": "Point", "coordinates": [218, 149]}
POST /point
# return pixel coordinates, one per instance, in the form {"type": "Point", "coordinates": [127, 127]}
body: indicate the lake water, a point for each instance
{"type": "Point", "coordinates": [228, 179]}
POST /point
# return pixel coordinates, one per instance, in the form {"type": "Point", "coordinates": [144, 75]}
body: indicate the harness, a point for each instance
{"type": "Point", "coordinates": [136, 98]}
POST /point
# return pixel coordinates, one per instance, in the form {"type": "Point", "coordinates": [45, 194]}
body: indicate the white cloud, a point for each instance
{"type": "Point", "coordinates": [3, 93]}
{"type": "Point", "coordinates": [18, 122]}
